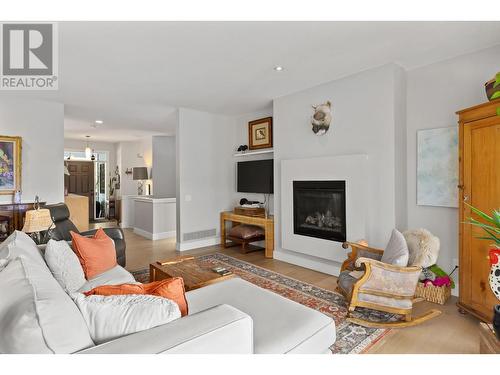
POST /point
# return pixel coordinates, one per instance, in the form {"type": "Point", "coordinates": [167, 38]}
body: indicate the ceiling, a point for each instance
{"type": "Point", "coordinates": [132, 75]}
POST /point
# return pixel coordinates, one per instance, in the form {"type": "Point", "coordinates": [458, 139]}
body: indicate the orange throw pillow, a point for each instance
{"type": "Point", "coordinates": [96, 254]}
{"type": "Point", "coordinates": [172, 289]}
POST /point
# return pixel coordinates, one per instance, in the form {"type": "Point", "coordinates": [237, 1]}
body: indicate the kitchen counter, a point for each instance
{"type": "Point", "coordinates": [151, 217]}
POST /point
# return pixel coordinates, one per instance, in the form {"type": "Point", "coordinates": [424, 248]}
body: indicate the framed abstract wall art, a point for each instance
{"type": "Point", "coordinates": [10, 164]}
{"type": "Point", "coordinates": [260, 133]}
{"type": "Point", "coordinates": [437, 167]}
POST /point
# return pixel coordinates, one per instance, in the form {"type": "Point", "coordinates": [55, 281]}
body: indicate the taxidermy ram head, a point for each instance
{"type": "Point", "coordinates": [321, 118]}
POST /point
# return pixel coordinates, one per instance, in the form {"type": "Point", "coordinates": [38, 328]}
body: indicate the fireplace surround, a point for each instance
{"type": "Point", "coordinates": [319, 209]}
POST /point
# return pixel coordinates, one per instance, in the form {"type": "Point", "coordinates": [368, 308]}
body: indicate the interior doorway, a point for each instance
{"type": "Point", "coordinates": [88, 178]}
{"type": "Point", "coordinates": [80, 181]}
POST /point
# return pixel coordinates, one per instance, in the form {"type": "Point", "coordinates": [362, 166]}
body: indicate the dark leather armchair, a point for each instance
{"type": "Point", "coordinates": [63, 226]}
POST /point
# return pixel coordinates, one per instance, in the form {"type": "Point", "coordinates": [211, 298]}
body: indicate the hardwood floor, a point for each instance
{"type": "Point", "coordinates": [449, 333]}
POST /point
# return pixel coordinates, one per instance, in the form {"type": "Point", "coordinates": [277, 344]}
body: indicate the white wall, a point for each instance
{"type": "Point", "coordinates": [164, 165]}
{"type": "Point", "coordinates": [110, 148]}
{"type": "Point", "coordinates": [435, 93]}
{"type": "Point", "coordinates": [41, 125]}
{"type": "Point", "coordinates": [364, 122]}
{"type": "Point", "coordinates": [127, 157]}
{"type": "Point", "coordinates": [204, 171]}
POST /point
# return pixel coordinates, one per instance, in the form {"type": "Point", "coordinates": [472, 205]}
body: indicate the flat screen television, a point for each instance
{"type": "Point", "coordinates": [255, 176]}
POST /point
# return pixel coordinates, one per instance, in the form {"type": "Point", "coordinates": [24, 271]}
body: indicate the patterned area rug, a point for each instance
{"type": "Point", "coordinates": [351, 338]}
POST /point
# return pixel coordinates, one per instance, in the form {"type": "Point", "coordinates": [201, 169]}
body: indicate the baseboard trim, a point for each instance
{"type": "Point", "coordinates": [189, 245]}
{"type": "Point", "coordinates": [154, 236]}
{"type": "Point", "coordinates": [313, 263]}
{"type": "Point", "coordinates": [164, 235]}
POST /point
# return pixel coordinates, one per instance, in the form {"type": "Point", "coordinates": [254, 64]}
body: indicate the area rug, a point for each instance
{"type": "Point", "coordinates": [351, 338]}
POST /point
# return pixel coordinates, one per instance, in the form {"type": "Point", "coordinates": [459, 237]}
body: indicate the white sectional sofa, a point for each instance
{"type": "Point", "coordinates": [234, 316]}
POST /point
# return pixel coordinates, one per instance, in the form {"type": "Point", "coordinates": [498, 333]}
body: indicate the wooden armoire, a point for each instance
{"type": "Point", "coordinates": [479, 176]}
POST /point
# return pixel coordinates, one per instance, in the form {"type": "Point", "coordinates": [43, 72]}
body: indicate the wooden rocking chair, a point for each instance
{"type": "Point", "coordinates": [380, 286]}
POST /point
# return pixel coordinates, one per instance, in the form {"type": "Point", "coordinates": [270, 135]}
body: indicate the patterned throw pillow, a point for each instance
{"type": "Point", "coordinates": [64, 265]}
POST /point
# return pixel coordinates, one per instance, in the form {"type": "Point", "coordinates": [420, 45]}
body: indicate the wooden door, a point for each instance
{"type": "Point", "coordinates": [81, 181]}
{"type": "Point", "coordinates": [480, 182]}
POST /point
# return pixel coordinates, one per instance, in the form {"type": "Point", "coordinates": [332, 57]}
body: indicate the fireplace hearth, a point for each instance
{"type": "Point", "coordinates": [319, 209]}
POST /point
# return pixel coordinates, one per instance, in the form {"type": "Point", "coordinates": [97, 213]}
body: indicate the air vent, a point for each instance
{"type": "Point", "coordinates": [199, 234]}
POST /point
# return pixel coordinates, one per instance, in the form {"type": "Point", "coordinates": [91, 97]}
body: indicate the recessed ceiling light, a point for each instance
{"type": "Point", "coordinates": [278, 68]}
{"type": "Point", "coordinates": [99, 122]}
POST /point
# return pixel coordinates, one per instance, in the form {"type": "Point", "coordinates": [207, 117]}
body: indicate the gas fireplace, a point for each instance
{"type": "Point", "coordinates": [319, 209]}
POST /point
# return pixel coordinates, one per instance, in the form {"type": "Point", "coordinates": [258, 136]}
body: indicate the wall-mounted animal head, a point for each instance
{"type": "Point", "coordinates": [321, 118]}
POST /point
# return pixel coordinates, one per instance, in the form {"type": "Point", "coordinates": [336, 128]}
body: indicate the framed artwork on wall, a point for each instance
{"type": "Point", "coordinates": [437, 167]}
{"type": "Point", "coordinates": [260, 133]}
{"type": "Point", "coordinates": [10, 164]}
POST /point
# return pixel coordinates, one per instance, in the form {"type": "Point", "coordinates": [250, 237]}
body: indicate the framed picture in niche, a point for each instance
{"type": "Point", "coordinates": [260, 133]}
{"type": "Point", "coordinates": [10, 164]}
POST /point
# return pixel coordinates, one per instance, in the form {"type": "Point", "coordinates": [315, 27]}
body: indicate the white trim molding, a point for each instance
{"type": "Point", "coordinates": [189, 245]}
{"type": "Point", "coordinates": [154, 236]}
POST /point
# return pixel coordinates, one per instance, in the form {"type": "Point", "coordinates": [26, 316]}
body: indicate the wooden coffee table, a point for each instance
{"type": "Point", "coordinates": [194, 274]}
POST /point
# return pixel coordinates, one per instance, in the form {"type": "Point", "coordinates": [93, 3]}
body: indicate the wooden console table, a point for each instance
{"type": "Point", "coordinates": [266, 223]}
{"type": "Point", "coordinates": [12, 217]}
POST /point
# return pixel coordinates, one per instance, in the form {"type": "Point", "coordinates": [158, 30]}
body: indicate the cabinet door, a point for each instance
{"type": "Point", "coordinates": [6, 221]}
{"type": "Point", "coordinates": [481, 189]}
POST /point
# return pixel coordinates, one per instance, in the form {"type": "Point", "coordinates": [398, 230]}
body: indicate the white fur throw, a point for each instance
{"type": "Point", "coordinates": [423, 247]}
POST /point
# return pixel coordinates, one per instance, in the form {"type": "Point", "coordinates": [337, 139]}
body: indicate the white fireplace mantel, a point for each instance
{"type": "Point", "coordinates": [350, 168]}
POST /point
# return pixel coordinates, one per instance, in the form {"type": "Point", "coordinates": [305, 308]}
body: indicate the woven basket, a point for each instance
{"type": "Point", "coordinates": [435, 294]}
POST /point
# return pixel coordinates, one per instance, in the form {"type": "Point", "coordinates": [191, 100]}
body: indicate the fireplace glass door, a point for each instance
{"type": "Point", "coordinates": [319, 209]}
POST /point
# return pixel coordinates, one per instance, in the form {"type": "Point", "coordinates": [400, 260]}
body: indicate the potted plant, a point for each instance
{"type": "Point", "coordinates": [491, 227]}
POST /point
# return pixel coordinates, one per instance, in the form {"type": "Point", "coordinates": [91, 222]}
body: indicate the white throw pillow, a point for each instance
{"type": "Point", "coordinates": [110, 317]}
{"type": "Point", "coordinates": [64, 265]}
{"type": "Point", "coordinates": [396, 252]}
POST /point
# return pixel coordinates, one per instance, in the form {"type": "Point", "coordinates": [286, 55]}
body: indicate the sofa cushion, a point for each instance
{"type": "Point", "coordinates": [36, 315]}
{"type": "Point", "coordinates": [64, 265]}
{"type": "Point", "coordinates": [280, 325]}
{"type": "Point", "coordinates": [110, 317]}
{"type": "Point", "coordinates": [396, 252]}
{"type": "Point", "coordinates": [21, 331]}
{"type": "Point", "coordinates": [115, 276]}
{"type": "Point", "coordinates": [20, 244]}
{"type": "Point", "coordinates": [96, 254]}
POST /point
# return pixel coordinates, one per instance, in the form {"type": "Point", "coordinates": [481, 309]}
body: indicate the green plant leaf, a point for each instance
{"type": "Point", "coordinates": [495, 95]}
{"type": "Point", "coordinates": [480, 213]}
{"type": "Point", "coordinates": [482, 225]}
{"type": "Point", "coordinates": [497, 80]}
{"type": "Point", "coordinates": [498, 111]}
{"type": "Point", "coordinates": [496, 217]}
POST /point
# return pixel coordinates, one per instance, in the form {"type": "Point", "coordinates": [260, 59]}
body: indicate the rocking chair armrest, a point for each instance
{"type": "Point", "coordinates": [358, 251]}
{"type": "Point", "coordinates": [388, 267]}
{"type": "Point", "coordinates": [356, 246]}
